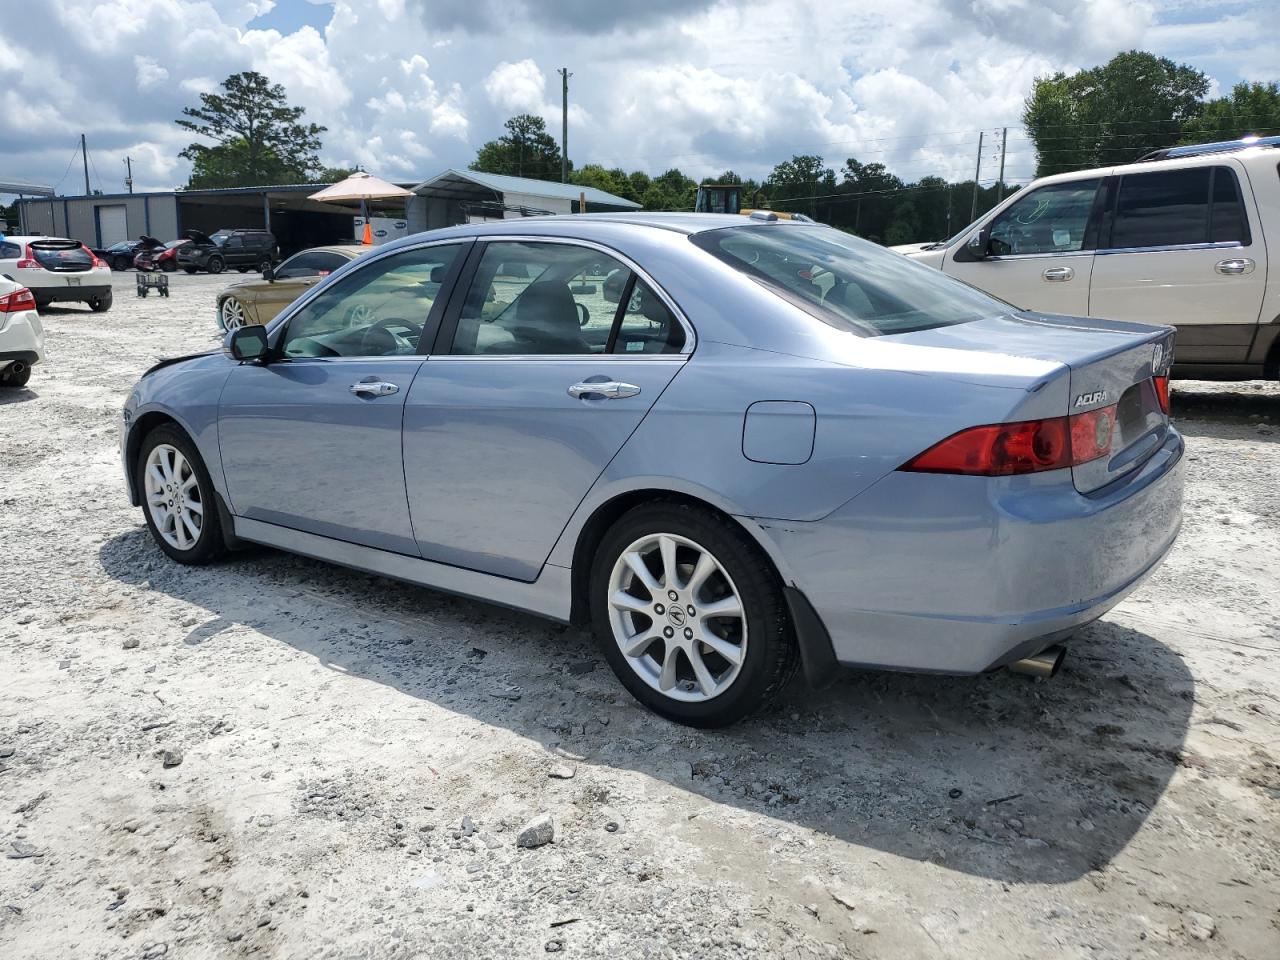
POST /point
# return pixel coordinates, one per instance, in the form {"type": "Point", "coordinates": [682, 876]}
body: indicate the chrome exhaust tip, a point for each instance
{"type": "Point", "coordinates": [1043, 665]}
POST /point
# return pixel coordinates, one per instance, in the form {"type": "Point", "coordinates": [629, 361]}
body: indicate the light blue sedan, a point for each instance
{"type": "Point", "coordinates": [734, 445]}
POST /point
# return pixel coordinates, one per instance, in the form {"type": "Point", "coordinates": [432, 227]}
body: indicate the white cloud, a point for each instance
{"type": "Point", "coordinates": [699, 84]}
{"type": "Point", "coordinates": [516, 87]}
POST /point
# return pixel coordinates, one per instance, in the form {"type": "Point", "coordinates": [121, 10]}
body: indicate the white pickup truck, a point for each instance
{"type": "Point", "coordinates": [1180, 237]}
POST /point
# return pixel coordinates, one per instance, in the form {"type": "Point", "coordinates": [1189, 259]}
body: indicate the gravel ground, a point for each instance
{"type": "Point", "coordinates": [278, 758]}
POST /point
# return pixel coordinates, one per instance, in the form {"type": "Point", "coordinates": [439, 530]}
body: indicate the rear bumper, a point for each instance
{"type": "Point", "coordinates": [66, 294]}
{"type": "Point", "coordinates": [955, 574]}
{"type": "Point", "coordinates": [21, 338]}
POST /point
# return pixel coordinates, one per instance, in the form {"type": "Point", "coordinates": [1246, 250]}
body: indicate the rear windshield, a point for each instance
{"type": "Point", "coordinates": [61, 255]}
{"type": "Point", "coordinates": [847, 282]}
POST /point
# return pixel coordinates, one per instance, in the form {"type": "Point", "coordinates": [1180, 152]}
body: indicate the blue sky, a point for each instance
{"type": "Point", "coordinates": [408, 88]}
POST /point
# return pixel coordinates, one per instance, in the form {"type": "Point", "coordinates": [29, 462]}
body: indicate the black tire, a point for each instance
{"type": "Point", "coordinates": [100, 304]}
{"type": "Point", "coordinates": [189, 269]}
{"type": "Point", "coordinates": [242, 269]}
{"type": "Point", "coordinates": [14, 380]}
{"type": "Point", "coordinates": [264, 265]}
{"type": "Point", "coordinates": [216, 265]}
{"type": "Point", "coordinates": [168, 266]}
{"type": "Point", "coordinates": [209, 545]}
{"type": "Point", "coordinates": [121, 263]}
{"type": "Point", "coordinates": [772, 655]}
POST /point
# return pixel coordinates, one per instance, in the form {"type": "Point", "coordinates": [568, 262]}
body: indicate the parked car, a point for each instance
{"type": "Point", "coordinates": [21, 334]}
{"type": "Point", "coordinates": [163, 257]}
{"type": "Point", "coordinates": [243, 250]}
{"type": "Point", "coordinates": [120, 256]}
{"type": "Point", "coordinates": [57, 270]}
{"type": "Point", "coordinates": [729, 468]}
{"type": "Point", "coordinates": [258, 301]}
{"type": "Point", "coordinates": [1181, 237]}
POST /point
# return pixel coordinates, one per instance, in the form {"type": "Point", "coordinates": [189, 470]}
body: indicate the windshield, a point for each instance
{"type": "Point", "coordinates": [847, 282]}
{"type": "Point", "coordinates": [220, 238]}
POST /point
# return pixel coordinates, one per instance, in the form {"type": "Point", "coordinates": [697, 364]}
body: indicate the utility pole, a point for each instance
{"type": "Point", "coordinates": [948, 209]}
{"type": "Point", "coordinates": [564, 123]}
{"type": "Point", "coordinates": [973, 210]}
{"type": "Point", "coordinates": [1004, 141]}
{"type": "Point", "coordinates": [128, 180]}
{"type": "Point", "coordinates": [84, 155]}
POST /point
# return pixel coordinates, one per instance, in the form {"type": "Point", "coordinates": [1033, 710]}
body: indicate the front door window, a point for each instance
{"type": "Point", "coordinates": [1049, 220]}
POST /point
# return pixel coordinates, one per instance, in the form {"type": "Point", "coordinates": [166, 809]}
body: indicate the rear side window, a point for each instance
{"type": "Point", "coordinates": [1176, 207]}
{"type": "Point", "coordinates": [1229, 223]}
{"type": "Point", "coordinates": [845, 281]}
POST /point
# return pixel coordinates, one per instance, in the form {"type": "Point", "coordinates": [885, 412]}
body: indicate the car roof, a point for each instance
{"type": "Point", "coordinates": [354, 249]}
{"type": "Point", "coordinates": [1244, 154]}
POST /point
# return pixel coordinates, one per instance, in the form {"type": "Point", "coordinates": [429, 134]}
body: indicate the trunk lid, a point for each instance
{"type": "Point", "coordinates": [1111, 365]}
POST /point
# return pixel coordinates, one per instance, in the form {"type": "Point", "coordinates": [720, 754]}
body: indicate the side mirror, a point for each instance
{"type": "Point", "coordinates": [247, 343]}
{"type": "Point", "coordinates": [268, 272]}
{"type": "Point", "coordinates": [979, 244]}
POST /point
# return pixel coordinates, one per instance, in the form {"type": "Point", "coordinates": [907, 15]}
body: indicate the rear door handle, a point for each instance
{"type": "Point", "coordinates": [1233, 268]}
{"type": "Point", "coordinates": [609, 389]}
{"type": "Point", "coordinates": [1058, 274]}
{"type": "Point", "coordinates": [374, 388]}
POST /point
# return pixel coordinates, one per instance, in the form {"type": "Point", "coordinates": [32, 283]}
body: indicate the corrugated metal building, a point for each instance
{"type": "Point", "coordinates": [455, 196]}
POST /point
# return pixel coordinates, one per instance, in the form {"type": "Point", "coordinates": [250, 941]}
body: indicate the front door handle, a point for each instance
{"type": "Point", "coordinates": [1058, 274]}
{"type": "Point", "coordinates": [608, 389]}
{"type": "Point", "coordinates": [1233, 268]}
{"type": "Point", "coordinates": [374, 388]}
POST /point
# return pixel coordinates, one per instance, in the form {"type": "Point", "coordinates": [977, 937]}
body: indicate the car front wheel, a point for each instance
{"type": "Point", "coordinates": [215, 265]}
{"type": "Point", "coordinates": [232, 314]}
{"type": "Point", "coordinates": [177, 497]}
{"type": "Point", "coordinates": [690, 615]}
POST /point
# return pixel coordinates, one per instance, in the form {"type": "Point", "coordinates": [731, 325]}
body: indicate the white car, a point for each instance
{"type": "Point", "coordinates": [21, 335]}
{"type": "Point", "coordinates": [57, 270]}
{"type": "Point", "coordinates": [1181, 237]}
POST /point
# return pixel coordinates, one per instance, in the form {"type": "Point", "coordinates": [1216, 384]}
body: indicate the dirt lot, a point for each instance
{"type": "Point", "coordinates": [357, 756]}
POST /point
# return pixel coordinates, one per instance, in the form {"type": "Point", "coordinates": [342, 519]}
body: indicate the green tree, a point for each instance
{"type": "Point", "coordinates": [525, 150]}
{"type": "Point", "coordinates": [1252, 108]}
{"type": "Point", "coordinates": [1135, 103]}
{"type": "Point", "coordinates": [258, 137]}
{"type": "Point", "coordinates": [800, 180]}
{"type": "Point", "coordinates": [333, 174]}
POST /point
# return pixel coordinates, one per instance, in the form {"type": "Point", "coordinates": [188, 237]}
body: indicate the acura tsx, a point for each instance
{"type": "Point", "coordinates": [736, 446]}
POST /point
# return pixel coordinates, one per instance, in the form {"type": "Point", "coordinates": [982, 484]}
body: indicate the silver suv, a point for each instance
{"type": "Point", "coordinates": [1176, 238]}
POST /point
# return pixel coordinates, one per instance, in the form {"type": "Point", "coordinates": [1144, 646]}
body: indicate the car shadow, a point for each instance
{"type": "Point", "coordinates": [994, 775]}
{"type": "Point", "coordinates": [17, 395]}
{"type": "Point", "coordinates": [1232, 413]}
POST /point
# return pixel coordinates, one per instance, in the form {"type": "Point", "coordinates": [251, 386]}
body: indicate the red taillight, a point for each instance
{"type": "Point", "coordinates": [97, 261]}
{"type": "Point", "coordinates": [1004, 449]}
{"type": "Point", "coordinates": [1162, 392]}
{"type": "Point", "coordinates": [22, 299]}
{"type": "Point", "coordinates": [29, 262]}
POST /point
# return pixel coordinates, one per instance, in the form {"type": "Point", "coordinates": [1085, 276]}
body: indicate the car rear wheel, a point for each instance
{"type": "Point", "coordinates": [216, 265]}
{"type": "Point", "coordinates": [15, 375]}
{"type": "Point", "coordinates": [177, 497]}
{"type": "Point", "coordinates": [100, 304]}
{"type": "Point", "coordinates": [232, 314]}
{"type": "Point", "coordinates": [690, 615]}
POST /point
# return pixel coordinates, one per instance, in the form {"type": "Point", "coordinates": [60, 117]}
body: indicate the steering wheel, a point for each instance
{"type": "Point", "coordinates": [584, 315]}
{"type": "Point", "coordinates": [381, 329]}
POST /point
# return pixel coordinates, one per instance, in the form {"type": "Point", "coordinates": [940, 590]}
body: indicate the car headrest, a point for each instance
{"type": "Point", "coordinates": [437, 274]}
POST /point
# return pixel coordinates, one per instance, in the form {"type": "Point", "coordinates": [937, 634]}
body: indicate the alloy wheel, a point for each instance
{"type": "Point", "coordinates": [173, 497]}
{"type": "Point", "coordinates": [677, 617]}
{"type": "Point", "coordinates": [232, 313]}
